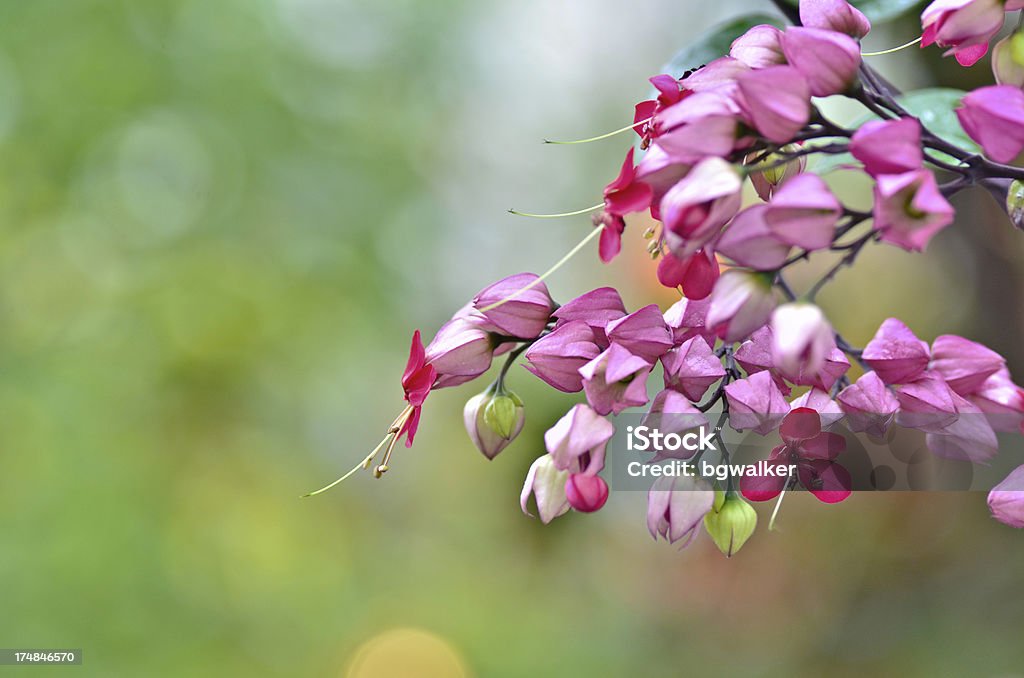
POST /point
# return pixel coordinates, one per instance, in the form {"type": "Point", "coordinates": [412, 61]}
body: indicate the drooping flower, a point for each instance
{"type": "Point", "coordinates": [676, 507]}
{"type": "Point", "coordinates": [622, 196]}
{"type": "Point", "coordinates": [643, 333]}
{"type": "Point", "coordinates": [827, 59]}
{"type": "Point", "coordinates": [962, 363]}
{"type": "Point", "coordinates": [802, 337]}
{"type": "Point", "coordinates": [835, 366]}
{"type": "Point", "coordinates": [1006, 500]}
{"type": "Point", "coordinates": [687, 318]}
{"type": "Point", "coordinates": [968, 437]}
{"type": "Point", "coordinates": [818, 400]}
{"type": "Point", "coordinates": [692, 368]}
{"type": "Point", "coordinates": [888, 146]}
{"type": "Point", "coordinates": [927, 404]}
{"type": "Point", "coordinates": [672, 412]}
{"type": "Point", "coordinates": [417, 381]}
{"type": "Point", "coordinates": [705, 124]}
{"type": "Point", "coordinates": [835, 15]}
{"type": "Point", "coordinates": [557, 357]}
{"type": "Point", "coordinates": [910, 209]}
{"type": "Point", "coordinates": [814, 454]}
{"type": "Point", "coordinates": [768, 174]}
{"type": "Point", "coordinates": [493, 419]}
{"type": "Point", "coordinates": [525, 314]}
{"type": "Point", "coordinates": [994, 117]}
{"type": "Point", "coordinates": [895, 354]}
{"type": "Point", "coordinates": [803, 212]}
{"type": "Point", "coordinates": [730, 522]}
{"type": "Point", "coordinates": [1002, 401]}
{"type": "Point", "coordinates": [964, 26]}
{"type": "Point", "coordinates": [696, 274]}
{"type": "Point", "coordinates": [756, 403]}
{"type": "Point", "coordinates": [759, 47]}
{"type": "Point", "coordinates": [615, 380]}
{"type": "Point", "coordinates": [749, 241]}
{"type": "Point", "coordinates": [586, 492]}
{"type": "Point", "coordinates": [596, 308]}
{"type": "Point", "coordinates": [776, 101]}
{"type": "Point", "coordinates": [869, 405]}
{"type": "Point", "coordinates": [546, 483]}
{"type": "Point", "coordinates": [696, 208]}
{"type": "Point", "coordinates": [740, 303]}
{"type": "Point", "coordinates": [578, 440]}
{"type": "Point", "coordinates": [669, 92]}
{"type": "Point", "coordinates": [460, 351]}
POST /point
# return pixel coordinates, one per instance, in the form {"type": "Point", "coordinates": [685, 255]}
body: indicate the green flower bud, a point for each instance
{"type": "Point", "coordinates": [730, 522]}
{"type": "Point", "coordinates": [1015, 203]}
{"type": "Point", "coordinates": [493, 419]}
{"type": "Point", "coordinates": [775, 172]}
{"type": "Point", "coordinates": [1008, 60]}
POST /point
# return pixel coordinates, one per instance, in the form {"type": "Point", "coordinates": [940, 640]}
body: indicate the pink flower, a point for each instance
{"type": "Point", "coordinates": [868, 404]}
{"type": "Point", "coordinates": [696, 274]}
{"type": "Point", "coordinates": [676, 507]}
{"type": "Point", "coordinates": [756, 403]}
{"type": "Point", "coordinates": [829, 60]}
{"type": "Point", "coordinates": [546, 482]}
{"type": "Point", "coordinates": [803, 212]}
{"type": "Point", "coordinates": [818, 400]}
{"type": "Point", "coordinates": [895, 354]}
{"type": "Point", "coordinates": [834, 367]}
{"type": "Point", "coordinates": [686, 319]}
{"type": "Point", "coordinates": [1006, 500]}
{"type": "Point", "coordinates": [718, 76]}
{"type": "Point", "coordinates": [417, 381]}
{"type": "Point", "coordinates": [964, 364]}
{"type": "Point", "coordinates": [670, 92]}
{"type": "Point", "coordinates": [835, 15]}
{"type": "Point", "coordinates": [585, 492]}
{"type": "Point", "coordinates": [485, 434]}
{"type": "Point", "coordinates": [749, 241]}
{"type": "Point", "coordinates": [692, 368]}
{"type": "Point", "coordinates": [672, 412]}
{"type": "Point", "coordinates": [596, 308]}
{"type": "Point", "coordinates": [813, 452]}
{"type": "Point", "coordinates": [759, 47]}
{"type": "Point", "coordinates": [968, 437]}
{"type": "Point", "coordinates": [1002, 401]}
{"type": "Point", "coordinates": [910, 209]}
{"type": "Point", "coordinates": [615, 380]}
{"type": "Point", "coordinates": [926, 404]}
{"type": "Point", "coordinates": [643, 333]}
{"type": "Point", "coordinates": [994, 117]}
{"type": "Point", "coordinates": [577, 442]}
{"type": "Point", "coordinates": [802, 338]}
{"type": "Point", "coordinates": [888, 146]}
{"type": "Point", "coordinates": [558, 357]}
{"type": "Point", "coordinates": [766, 181]}
{"type": "Point", "coordinates": [460, 351]}
{"type": "Point", "coordinates": [965, 26]}
{"type": "Point", "coordinates": [777, 101]}
{"type": "Point", "coordinates": [740, 303]}
{"type": "Point", "coordinates": [696, 208]}
{"type": "Point", "coordinates": [525, 314]}
{"type": "Point", "coordinates": [623, 195]}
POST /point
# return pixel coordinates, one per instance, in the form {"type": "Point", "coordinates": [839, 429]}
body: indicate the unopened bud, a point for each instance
{"type": "Point", "coordinates": [730, 522]}
{"type": "Point", "coordinates": [493, 419]}
{"type": "Point", "coordinates": [586, 493]}
{"type": "Point", "coordinates": [1015, 203]}
{"type": "Point", "coordinates": [775, 170]}
{"type": "Point", "coordinates": [1008, 60]}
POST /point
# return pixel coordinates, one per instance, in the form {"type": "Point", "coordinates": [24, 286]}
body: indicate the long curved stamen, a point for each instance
{"type": "Point", "coordinates": [557, 216]}
{"type": "Point", "coordinates": [778, 504]}
{"type": "Point", "coordinates": [602, 136]}
{"type": "Point", "coordinates": [561, 262]}
{"type": "Point", "coordinates": [894, 49]}
{"type": "Point", "coordinates": [362, 464]}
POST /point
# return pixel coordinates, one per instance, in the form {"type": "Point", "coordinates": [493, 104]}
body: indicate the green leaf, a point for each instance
{"type": "Point", "coordinates": [934, 107]}
{"type": "Point", "coordinates": [880, 10]}
{"type": "Point", "coordinates": [715, 43]}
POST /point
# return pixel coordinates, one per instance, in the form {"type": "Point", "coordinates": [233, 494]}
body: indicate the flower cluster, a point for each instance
{"type": "Point", "coordinates": [741, 341]}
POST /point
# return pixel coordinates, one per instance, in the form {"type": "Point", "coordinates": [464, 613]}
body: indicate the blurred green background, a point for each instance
{"type": "Point", "coordinates": [221, 221]}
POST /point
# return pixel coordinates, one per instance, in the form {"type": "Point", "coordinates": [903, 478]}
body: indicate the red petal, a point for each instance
{"type": "Point", "coordinates": [700, 275]}
{"type": "Point", "coordinates": [411, 425]}
{"type": "Point", "coordinates": [828, 481]}
{"type": "Point", "coordinates": [762, 488]}
{"type": "Point", "coordinates": [625, 177]}
{"type": "Point", "coordinates": [826, 446]}
{"type": "Point", "coordinates": [801, 424]}
{"type": "Point", "coordinates": [416, 358]}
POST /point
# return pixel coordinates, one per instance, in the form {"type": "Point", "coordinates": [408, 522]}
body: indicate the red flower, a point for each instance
{"type": "Point", "coordinates": [417, 380]}
{"type": "Point", "coordinates": [813, 452]}
{"type": "Point", "coordinates": [623, 195]}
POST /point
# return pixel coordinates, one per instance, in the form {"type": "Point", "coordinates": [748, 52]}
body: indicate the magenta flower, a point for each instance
{"type": "Point", "coordinates": [696, 274]}
{"type": "Point", "coordinates": [586, 492]}
{"type": "Point", "coordinates": [803, 212]}
{"type": "Point", "coordinates": [696, 208]}
{"type": "Point", "coordinates": [525, 314]}
{"type": "Point", "coordinates": [460, 351]}
{"type": "Point", "coordinates": [910, 209]}
{"type": "Point", "coordinates": [669, 93]}
{"type": "Point", "coordinates": [417, 381]}
{"type": "Point", "coordinates": [813, 452]}
{"type": "Point", "coordinates": [926, 404]}
{"type": "Point", "coordinates": [756, 403]}
{"type": "Point", "coordinates": [888, 146]}
{"type": "Point", "coordinates": [558, 357]}
{"type": "Point", "coordinates": [834, 367]}
{"type": "Point", "coordinates": [818, 400]}
{"type": "Point", "coordinates": [994, 117]}
{"type": "Point", "coordinates": [964, 26]}
{"type": "Point", "coordinates": [749, 241]}
{"type": "Point", "coordinates": [672, 412]}
{"type": "Point", "coordinates": [596, 308]}
{"type": "Point", "coordinates": [895, 354]}
{"type": "Point", "coordinates": [676, 507]}
{"type": "Point", "coordinates": [686, 319]}
{"type": "Point", "coordinates": [705, 124]}
{"type": "Point", "coordinates": [776, 101]}
{"type": "Point", "coordinates": [615, 380]}
{"type": "Point", "coordinates": [623, 195]}
{"type": "Point", "coordinates": [718, 76]}
{"type": "Point", "coordinates": [1002, 401]}
{"type": "Point", "coordinates": [964, 364]}
{"type": "Point", "coordinates": [829, 60]}
{"type": "Point", "coordinates": [802, 338]}
{"type": "Point", "coordinates": [759, 47]}
{"type": "Point", "coordinates": [968, 437]}
{"type": "Point", "coordinates": [578, 440]}
{"type": "Point", "coordinates": [869, 405]}
{"type": "Point", "coordinates": [1006, 500]}
{"type": "Point", "coordinates": [643, 333]}
{"type": "Point", "coordinates": [834, 15]}
{"type": "Point", "coordinates": [692, 368]}
{"type": "Point", "coordinates": [740, 303]}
